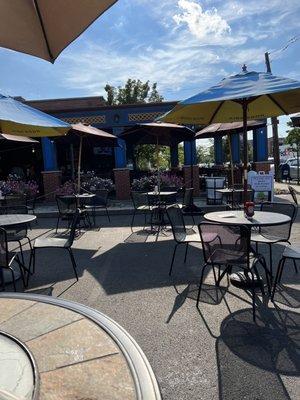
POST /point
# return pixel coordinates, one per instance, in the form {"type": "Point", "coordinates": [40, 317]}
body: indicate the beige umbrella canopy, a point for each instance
{"type": "Point", "coordinates": [44, 28]}
{"type": "Point", "coordinates": [94, 134]}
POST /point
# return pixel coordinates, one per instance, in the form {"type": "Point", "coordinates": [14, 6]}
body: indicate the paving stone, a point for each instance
{"type": "Point", "coordinates": [11, 307]}
{"type": "Point", "coordinates": [106, 378]}
{"type": "Point", "coordinates": [38, 320]}
{"type": "Point", "coordinates": [79, 341]}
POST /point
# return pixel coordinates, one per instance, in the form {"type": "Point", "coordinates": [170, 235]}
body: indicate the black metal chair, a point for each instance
{"type": "Point", "coordinates": [99, 202]}
{"type": "Point", "coordinates": [188, 207]}
{"type": "Point", "coordinates": [275, 234]}
{"type": "Point", "coordinates": [229, 246]}
{"type": "Point", "coordinates": [293, 193]}
{"type": "Point", "coordinates": [6, 260]}
{"type": "Point", "coordinates": [18, 232]}
{"type": "Point", "coordinates": [212, 185]}
{"type": "Point", "coordinates": [59, 243]}
{"type": "Point", "coordinates": [67, 207]}
{"type": "Point", "coordinates": [30, 202]}
{"type": "Point", "coordinates": [15, 200]}
{"type": "Point", "coordinates": [290, 253]}
{"type": "Point", "coordinates": [141, 205]}
{"type": "Point", "coordinates": [179, 231]}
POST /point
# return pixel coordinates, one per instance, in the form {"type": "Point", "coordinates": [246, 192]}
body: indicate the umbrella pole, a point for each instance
{"type": "Point", "coordinates": [245, 150]}
{"type": "Point", "coordinates": [231, 161]}
{"type": "Point", "coordinates": [79, 165]}
{"type": "Point", "coordinates": [72, 161]}
{"type": "Point", "coordinates": [157, 164]}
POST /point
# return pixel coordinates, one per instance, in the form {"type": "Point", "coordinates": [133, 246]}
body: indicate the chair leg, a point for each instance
{"type": "Point", "coordinates": [57, 222]}
{"type": "Point", "coordinates": [186, 251]}
{"type": "Point", "coordinates": [200, 284]}
{"type": "Point", "coordinates": [33, 260]}
{"type": "Point", "coordinates": [279, 269]}
{"type": "Point", "coordinates": [107, 213]}
{"type": "Point", "coordinates": [21, 267]}
{"type": "Point", "coordinates": [271, 262]}
{"type": "Point", "coordinates": [21, 251]}
{"type": "Point", "coordinates": [13, 278]}
{"type": "Point", "coordinates": [2, 279]}
{"type": "Point", "coordinates": [173, 258]}
{"type": "Point", "coordinates": [295, 266]}
{"type": "Point", "coordinates": [73, 262]}
{"type": "Point", "coordinates": [253, 295]}
{"type": "Point", "coordinates": [132, 220]}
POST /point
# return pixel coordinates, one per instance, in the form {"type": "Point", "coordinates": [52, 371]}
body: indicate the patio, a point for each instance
{"type": "Point", "coordinates": [217, 352]}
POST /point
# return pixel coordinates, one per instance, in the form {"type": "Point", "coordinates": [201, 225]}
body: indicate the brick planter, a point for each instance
{"type": "Point", "coordinates": [51, 181]}
{"type": "Point", "coordinates": [122, 183]}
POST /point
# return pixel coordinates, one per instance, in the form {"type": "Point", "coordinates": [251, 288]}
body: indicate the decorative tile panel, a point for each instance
{"type": "Point", "coordinates": [150, 116]}
{"type": "Point", "coordinates": [91, 119]}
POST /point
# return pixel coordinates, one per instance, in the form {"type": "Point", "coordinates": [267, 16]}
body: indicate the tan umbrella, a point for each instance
{"type": "Point", "coordinates": [96, 135]}
{"type": "Point", "coordinates": [44, 28]}
{"type": "Point", "coordinates": [226, 128]}
{"type": "Point", "coordinates": [14, 138]}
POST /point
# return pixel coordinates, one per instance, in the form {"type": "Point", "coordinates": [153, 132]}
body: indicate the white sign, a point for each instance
{"type": "Point", "coordinates": [262, 183]}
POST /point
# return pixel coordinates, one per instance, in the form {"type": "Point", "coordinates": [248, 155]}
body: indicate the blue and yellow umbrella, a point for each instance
{"type": "Point", "coordinates": [247, 95]}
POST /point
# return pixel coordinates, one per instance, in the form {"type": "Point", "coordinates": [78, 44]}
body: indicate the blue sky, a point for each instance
{"type": "Point", "coordinates": [183, 45]}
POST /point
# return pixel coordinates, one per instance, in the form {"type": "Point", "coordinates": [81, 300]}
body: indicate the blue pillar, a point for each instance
{"type": "Point", "coordinates": [120, 152]}
{"type": "Point", "coordinates": [190, 153]}
{"type": "Point", "coordinates": [235, 148]}
{"type": "Point", "coordinates": [174, 156]}
{"type": "Point", "coordinates": [260, 144]}
{"type": "Point", "coordinates": [219, 154]}
{"type": "Point", "coordinates": [49, 154]}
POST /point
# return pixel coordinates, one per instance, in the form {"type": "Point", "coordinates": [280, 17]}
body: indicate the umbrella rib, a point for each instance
{"type": "Point", "coordinates": [216, 111]}
{"type": "Point", "coordinates": [277, 104]}
{"type": "Point", "coordinates": [43, 30]}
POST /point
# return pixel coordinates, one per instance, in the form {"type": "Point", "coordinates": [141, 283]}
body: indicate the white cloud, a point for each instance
{"type": "Point", "coordinates": [205, 25]}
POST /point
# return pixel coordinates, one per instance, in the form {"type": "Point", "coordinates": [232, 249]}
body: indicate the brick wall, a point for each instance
{"type": "Point", "coordinates": [122, 183]}
{"type": "Point", "coordinates": [51, 181]}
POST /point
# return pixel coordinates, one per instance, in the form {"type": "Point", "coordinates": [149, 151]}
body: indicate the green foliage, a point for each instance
{"type": "Point", "coordinates": [293, 137]}
{"type": "Point", "coordinates": [205, 155]}
{"type": "Point", "coordinates": [134, 91]}
{"type": "Point", "coordinates": [145, 156]}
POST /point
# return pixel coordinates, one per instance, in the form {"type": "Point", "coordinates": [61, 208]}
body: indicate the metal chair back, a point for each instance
{"type": "Point", "coordinates": [225, 244]}
{"type": "Point", "coordinates": [66, 204]}
{"type": "Point", "coordinates": [139, 199]}
{"type": "Point", "coordinates": [3, 248]}
{"type": "Point", "coordinates": [293, 193]}
{"type": "Point", "coordinates": [177, 223]}
{"type": "Point", "coordinates": [282, 231]}
{"type": "Point", "coordinates": [101, 197]}
{"type": "Point", "coordinates": [188, 197]}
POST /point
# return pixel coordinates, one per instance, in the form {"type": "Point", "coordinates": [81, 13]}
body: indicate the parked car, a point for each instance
{"type": "Point", "coordinates": [293, 164]}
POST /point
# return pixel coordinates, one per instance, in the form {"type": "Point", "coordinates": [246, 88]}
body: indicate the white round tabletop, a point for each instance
{"type": "Point", "coordinates": [260, 218]}
{"type": "Point", "coordinates": [16, 219]}
{"type": "Point", "coordinates": [161, 193]}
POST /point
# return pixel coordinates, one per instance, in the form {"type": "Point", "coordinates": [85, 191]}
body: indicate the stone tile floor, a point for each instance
{"type": "Point", "coordinates": [216, 352]}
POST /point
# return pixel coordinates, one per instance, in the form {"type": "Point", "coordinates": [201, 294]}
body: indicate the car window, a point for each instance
{"type": "Point", "coordinates": [294, 163]}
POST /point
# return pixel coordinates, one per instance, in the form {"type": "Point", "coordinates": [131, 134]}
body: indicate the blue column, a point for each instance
{"type": "Point", "coordinates": [235, 148]}
{"type": "Point", "coordinates": [174, 156]}
{"type": "Point", "coordinates": [120, 152]}
{"type": "Point", "coordinates": [219, 154]}
{"type": "Point", "coordinates": [190, 153]}
{"type": "Point", "coordinates": [260, 144]}
{"type": "Point", "coordinates": [49, 154]}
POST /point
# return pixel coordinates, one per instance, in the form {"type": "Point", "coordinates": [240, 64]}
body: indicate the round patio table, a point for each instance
{"type": "Point", "coordinates": [260, 218]}
{"type": "Point", "coordinates": [16, 219]}
{"type": "Point", "coordinates": [9, 220]}
{"type": "Point", "coordinates": [57, 349]}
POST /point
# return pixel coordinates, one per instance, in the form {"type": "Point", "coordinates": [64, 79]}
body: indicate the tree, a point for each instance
{"type": "Point", "coordinates": [293, 139]}
{"type": "Point", "coordinates": [205, 154]}
{"type": "Point", "coordinates": [134, 91]}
